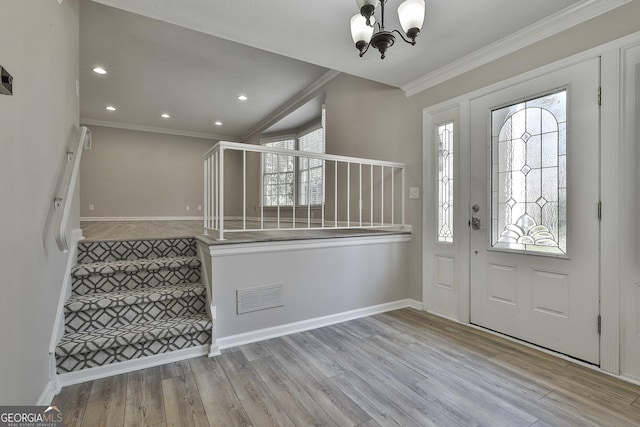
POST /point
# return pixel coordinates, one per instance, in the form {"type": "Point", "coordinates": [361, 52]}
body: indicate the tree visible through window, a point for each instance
{"type": "Point", "coordinates": [281, 176]}
{"type": "Point", "coordinates": [278, 174]}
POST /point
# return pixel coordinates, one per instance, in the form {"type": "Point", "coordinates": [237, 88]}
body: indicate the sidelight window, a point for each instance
{"type": "Point", "coordinates": [445, 183]}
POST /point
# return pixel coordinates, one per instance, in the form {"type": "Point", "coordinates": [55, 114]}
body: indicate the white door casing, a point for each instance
{"type": "Point", "coordinates": [445, 236]}
{"type": "Point", "coordinates": [630, 222]}
{"type": "Point", "coordinates": [619, 182]}
{"type": "Point", "coordinates": [551, 300]}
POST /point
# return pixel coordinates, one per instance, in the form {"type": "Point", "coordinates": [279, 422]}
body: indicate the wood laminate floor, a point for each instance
{"type": "Point", "coordinates": [131, 230]}
{"type": "Point", "coordinates": [405, 368]}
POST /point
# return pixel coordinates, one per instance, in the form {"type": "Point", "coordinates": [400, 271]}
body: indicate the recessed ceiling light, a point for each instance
{"type": "Point", "coordinates": [110, 108]}
{"type": "Point", "coordinates": [242, 97]}
{"type": "Point", "coordinates": [218, 123]}
{"type": "Point", "coordinates": [165, 116]}
{"type": "Point", "coordinates": [99, 70]}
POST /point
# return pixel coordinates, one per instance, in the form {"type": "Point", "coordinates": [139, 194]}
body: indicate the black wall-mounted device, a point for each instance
{"type": "Point", "coordinates": [6, 82]}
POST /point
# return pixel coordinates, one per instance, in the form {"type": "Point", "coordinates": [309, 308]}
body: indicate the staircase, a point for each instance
{"type": "Point", "coordinates": [132, 299]}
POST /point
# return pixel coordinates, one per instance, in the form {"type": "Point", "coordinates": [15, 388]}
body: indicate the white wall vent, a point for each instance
{"type": "Point", "coordinates": [260, 298]}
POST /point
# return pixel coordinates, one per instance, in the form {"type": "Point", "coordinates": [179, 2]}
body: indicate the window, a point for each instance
{"type": "Point", "coordinates": [278, 174]}
{"type": "Point", "coordinates": [529, 178]}
{"type": "Point", "coordinates": [282, 176]}
{"type": "Point", "coordinates": [311, 171]}
{"type": "Point", "coordinates": [445, 183]}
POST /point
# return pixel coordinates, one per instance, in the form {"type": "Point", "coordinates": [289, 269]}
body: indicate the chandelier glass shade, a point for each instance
{"type": "Point", "coordinates": [363, 25]}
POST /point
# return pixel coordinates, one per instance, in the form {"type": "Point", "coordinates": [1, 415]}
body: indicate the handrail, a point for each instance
{"type": "Point", "coordinates": [296, 153]}
{"type": "Point", "coordinates": [67, 185]}
{"type": "Point", "coordinates": [215, 189]}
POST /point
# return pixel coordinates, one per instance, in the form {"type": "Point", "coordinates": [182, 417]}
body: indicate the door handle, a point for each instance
{"type": "Point", "coordinates": [475, 223]}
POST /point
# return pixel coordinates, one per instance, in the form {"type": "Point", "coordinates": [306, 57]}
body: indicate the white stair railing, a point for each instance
{"type": "Point", "coordinates": [67, 185]}
{"type": "Point", "coordinates": [382, 208]}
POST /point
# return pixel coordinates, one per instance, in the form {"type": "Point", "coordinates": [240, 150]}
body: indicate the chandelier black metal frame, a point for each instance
{"type": "Point", "coordinates": [410, 13]}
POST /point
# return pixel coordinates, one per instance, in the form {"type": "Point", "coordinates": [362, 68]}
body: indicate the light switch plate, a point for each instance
{"type": "Point", "coordinates": [414, 193]}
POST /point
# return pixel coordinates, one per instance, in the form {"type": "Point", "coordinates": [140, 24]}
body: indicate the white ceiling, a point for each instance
{"type": "Point", "coordinates": [155, 66]}
{"type": "Point", "coordinates": [305, 115]}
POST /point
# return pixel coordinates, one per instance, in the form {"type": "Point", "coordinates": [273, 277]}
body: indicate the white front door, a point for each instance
{"type": "Point", "coordinates": [534, 197]}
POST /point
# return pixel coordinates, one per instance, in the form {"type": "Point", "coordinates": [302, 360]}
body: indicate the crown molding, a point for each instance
{"type": "Point", "coordinates": [625, 42]}
{"type": "Point", "coordinates": [554, 24]}
{"type": "Point", "coordinates": [153, 129]}
{"type": "Point", "coordinates": [293, 104]}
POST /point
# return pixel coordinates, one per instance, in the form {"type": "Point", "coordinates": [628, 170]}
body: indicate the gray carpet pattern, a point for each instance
{"type": "Point", "coordinates": [132, 299]}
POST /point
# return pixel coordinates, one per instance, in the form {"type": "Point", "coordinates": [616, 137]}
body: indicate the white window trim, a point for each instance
{"type": "Point", "coordinates": [268, 140]}
{"type": "Point", "coordinates": [309, 129]}
{"type": "Point", "coordinates": [283, 137]}
{"type": "Point", "coordinates": [278, 137]}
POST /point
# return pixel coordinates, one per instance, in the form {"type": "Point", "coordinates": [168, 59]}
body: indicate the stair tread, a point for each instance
{"type": "Point", "coordinates": [130, 249]}
{"type": "Point", "coordinates": [84, 342]}
{"type": "Point", "coordinates": [133, 266]}
{"type": "Point", "coordinates": [132, 299]}
{"type": "Point", "coordinates": [101, 300]}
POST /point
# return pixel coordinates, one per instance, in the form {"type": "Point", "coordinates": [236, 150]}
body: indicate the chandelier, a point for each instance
{"type": "Point", "coordinates": [410, 13]}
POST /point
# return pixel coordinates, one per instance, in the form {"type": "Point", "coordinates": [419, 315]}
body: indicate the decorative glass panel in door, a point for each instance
{"type": "Point", "coordinates": [445, 183]}
{"type": "Point", "coordinates": [528, 182]}
{"type": "Point", "coordinates": [552, 300]}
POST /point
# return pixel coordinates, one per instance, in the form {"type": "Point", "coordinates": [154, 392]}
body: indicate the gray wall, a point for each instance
{"type": "Point", "coordinates": [368, 120]}
{"type": "Point", "coordinates": [39, 47]}
{"type": "Point", "coordinates": [600, 30]}
{"type": "Point", "coordinates": [317, 282]}
{"type": "Point", "coordinates": [131, 173]}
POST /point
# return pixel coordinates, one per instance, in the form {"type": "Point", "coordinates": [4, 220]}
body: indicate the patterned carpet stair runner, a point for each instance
{"type": "Point", "coordinates": [132, 299]}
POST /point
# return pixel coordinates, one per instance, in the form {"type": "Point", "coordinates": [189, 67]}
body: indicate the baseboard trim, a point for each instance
{"type": "Point", "coordinates": [65, 292]}
{"type": "Point", "coordinates": [140, 218]}
{"type": "Point", "coordinates": [415, 304]}
{"type": "Point", "coordinates": [71, 378]}
{"type": "Point", "coordinates": [318, 322]}
{"type": "Point", "coordinates": [53, 385]}
{"type": "Point", "coordinates": [50, 390]}
{"type": "Point", "coordinates": [628, 378]}
{"type": "Point", "coordinates": [443, 315]}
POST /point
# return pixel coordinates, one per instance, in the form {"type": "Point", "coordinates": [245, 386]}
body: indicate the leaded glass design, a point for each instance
{"type": "Point", "coordinates": [445, 183]}
{"type": "Point", "coordinates": [278, 175]}
{"type": "Point", "coordinates": [529, 175]}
